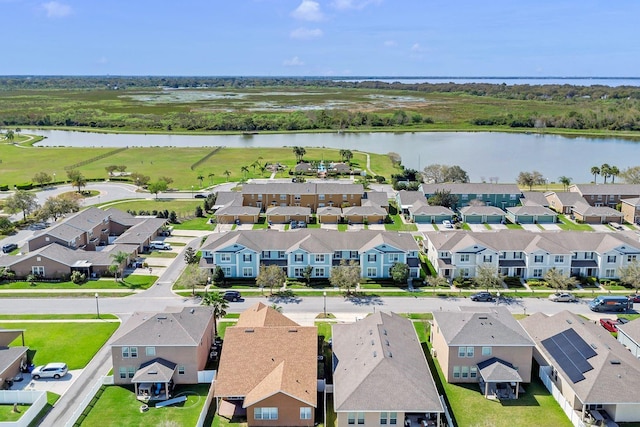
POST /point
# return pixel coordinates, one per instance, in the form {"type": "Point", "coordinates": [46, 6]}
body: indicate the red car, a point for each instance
{"type": "Point", "coordinates": [634, 298]}
{"type": "Point", "coordinates": [609, 324]}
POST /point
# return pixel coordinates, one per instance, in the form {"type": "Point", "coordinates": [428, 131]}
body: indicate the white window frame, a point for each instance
{"type": "Point", "coordinates": [225, 257]}
{"type": "Point", "coordinates": [559, 259]}
{"type": "Point", "coordinates": [268, 413]}
{"type": "Point", "coordinates": [537, 273]}
{"type": "Point", "coordinates": [394, 257]}
{"type": "Point", "coordinates": [538, 259]}
{"type": "Point", "coordinates": [298, 258]}
{"type": "Point", "coordinates": [319, 272]}
{"type": "Point", "coordinates": [37, 270]}
{"type": "Point", "coordinates": [473, 372]}
{"type": "Point", "coordinates": [465, 257]}
{"type": "Point", "coordinates": [486, 351]}
{"type": "Point", "coordinates": [247, 271]}
{"type": "Point", "coordinates": [247, 257]}
{"type": "Point", "coordinates": [372, 272]}
{"type": "Point", "coordinates": [371, 257]}
{"type": "Point", "coordinates": [125, 353]}
{"type": "Point", "coordinates": [611, 258]}
{"type": "Point", "coordinates": [456, 372]}
{"type": "Point", "coordinates": [123, 372]}
{"type": "Point", "coordinates": [319, 258]}
{"type": "Point", "coordinates": [150, 351]}
{"type": "Point", "coordinates": [305, 412]}
{"type": "Point", "coordinates": [133, 351]}
{"type": "Point", "coordinates": [465, 372]}
{"type": "Point", "coordinates": [181, 369]}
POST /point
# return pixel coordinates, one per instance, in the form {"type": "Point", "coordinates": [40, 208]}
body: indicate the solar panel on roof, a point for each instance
{"type": "Point", "coordinates": [571, 353]}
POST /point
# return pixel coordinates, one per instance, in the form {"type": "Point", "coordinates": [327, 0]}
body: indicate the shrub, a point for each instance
{"type": "Point", "coordinates": [78, 278]}
{"type": "Point", "coordinates": [25, 186]}
{"type": "Point", "coordinates": [4, 187]}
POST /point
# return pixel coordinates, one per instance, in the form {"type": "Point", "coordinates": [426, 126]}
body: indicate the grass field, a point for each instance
{"type": "Point", "coordinates": [72, 343]}
{"type": "Point", "coordinates": [129, 282]}
{"type": "Point", "coordinates": [19, 164]}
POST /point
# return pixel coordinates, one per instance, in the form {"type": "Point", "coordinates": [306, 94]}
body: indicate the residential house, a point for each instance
{"type": "Point", "coordinates": [563, 201]}
{"type": "Point", "coordinates": [584, 212]}
{"type": "Point", "coordinates": [482, 215]}
{"type": "Point", "coordinates": [376, 198]}
{"type": "Point", "coordinates": [630, 209]}
{"type": "Point", "coordinates": [406, 199]}
{"type": "Point", "coordinates": [422, 213]}
{"type": "Point", "coordinates": [13, 358]}
{"type": "Point", "coordinates": [366, 213]}
{"type": "Point", "coordinates": [329, 215]}
{"type": "Point", "coordinates": [584, 367]}
{"type": "Point", "coordinates": [153, 351]}
{"type": "Point", "coordinates": [241, 253]}
{"type": "Point", "coordinates": [286, 214]}
{"type": "Point", "coordinates": [483, 345]}
{"type": "Point", "coordinates": [629, 336]}
{"type": "Point", "coordinates": [307, 194]}
{"type": "Point", "coordinates": [524, 254]}
{"type": "Point", "coordinates": [531, 214]}
{"type": "Point", "coordinates": [268, 370]}
{"type": "Point", "coordinates": [531, 198]}
{"type": "Point", "coordinates": [229, 209]}
{"type": "Point", "coordinates": [380, 374]}
{"type": "Point", "coordinates": [500, 195]}
{"type": "Point", "coordinates": [606, 194]}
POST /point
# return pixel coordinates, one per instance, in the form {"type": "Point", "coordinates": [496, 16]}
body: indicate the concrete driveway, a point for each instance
{"type": "Point", "coordinates": [47, 384]}
{"type": "Point", "coordinates": [602, 228]}
{"type": "Point", "coordinates": [379, 227]}
{"type": "Point", "coordinates": [329, 226]}
{"type": "Point", "coordinates": [425, 227]}
{"type": "Point", "coordinates": [498, 226]}
{"type": "Point", "coordinates": [477, 227]}
{"type": "Point", "coordinates": [531, 227]}
{"type": "Point", "coordinates": [551, 227]}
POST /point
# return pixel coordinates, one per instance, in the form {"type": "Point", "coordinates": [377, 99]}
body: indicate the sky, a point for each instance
{"type": "Point", "coordinates": [453, 38]}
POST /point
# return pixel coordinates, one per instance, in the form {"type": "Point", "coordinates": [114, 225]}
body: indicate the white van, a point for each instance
{"type": "Point", "coordinates": [159, 244]}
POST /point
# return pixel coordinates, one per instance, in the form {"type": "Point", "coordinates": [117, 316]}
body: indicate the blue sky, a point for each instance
{"type": "Point", "coordinates": [321, 37]}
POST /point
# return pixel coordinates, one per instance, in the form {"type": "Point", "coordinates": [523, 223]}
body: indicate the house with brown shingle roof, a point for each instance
{"type": "Point", "coordinates": [268, 370]}
{"type": "Point", "coordinates": [606, 194]}
{"type": "Point", "coordinates": [630, 208]}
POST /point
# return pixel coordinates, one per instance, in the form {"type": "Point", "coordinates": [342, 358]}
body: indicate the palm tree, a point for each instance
{"type": "Point", "coordinates": [245, 171]}
{"type": "Point", "coordinates": [595, 171]}
{"type": "Point", "coordinates": [605, 171]}
{"type": "Point", "coordinates": [299, 152]}
{"type": "Point", "coordinates": [210, 176]}
{"type": "Point", "coordinates": [565, 181]}
{"type": "Point", "coordinates": [227, 173]}
{"type": "Point", "coordinates": [9, 135]}
{"type": "Point", "coordinates": [219, 305]}
{"type": "Point", "coordinates": [255, 164]}
{"type": "Point", "coordinates": [200, 177]}
{"type": "Point", "coordinates": [263, 168]}
{"type": "Point", "coordinates": [613, 172]}
{"type": "Point", "coordinates": [119, 258]}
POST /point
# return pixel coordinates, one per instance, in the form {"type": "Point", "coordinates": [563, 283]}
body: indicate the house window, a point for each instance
{"type": "Point", "coordinates": [353, 255]}
{"type": "Point", "coordinates": [469, 351]}
{"type": "Point", "coordinates": [344, 197]}
{"type": "Point", "coordinates": [537, 272]}
{"type": "Point", "coordinates": [131, 371]}
{"type": "Point", "coordinates": [465, 372]}
{"type": "Point", "coordinates": [351, 418]}
{"type": "Point", "coordinates": [464, 257]}
{"type": "Point", "coordinates": [559, 259]}
{"type": "Point", "coordinates": [474, 372]}
{"type": "Point", "coordinates": [265, 413]}
{"type": "Point", "coordinates": [611, 258]}
{"type": "Point", "coordinates": [462, 351]}
{"type": "Point", "coordinates": [226, 271]}
{"type": "Point", "coordinates": [609, 272]}
{"type": "Point", "coordinates": [37, 270]}
{"type": "Point", "coordinates": [538, 259]}
{"type": "Point", "coordinates": [225, 257]}
{"type": "Point", "coordinates": [123, 373]}
{"type": "Point", "coordinates": [133, 351]}
{"type": "Point", "coordinates": [305, 413]}
{"type": "Point", "coordinates": [486, 351]}
{"type": "Point", "coordinates": [125, 352]}
{"type": "Point", "coordinates": [337, 255]}
{"type": "Point", "coordinates": [296, 197]}
{"type": "Point", "coordinates": [259, 196]}
{"type": "Point", "coordinates": [319, 257]}
{"type": "Point", "coordinates": [383, 418]}
{"type": "Point", "coordinates": [283, 197]}
{"type": "Point", "coordinates": [371, 257]}
{"type": "Point", "coordinates": [574, 256]}
{"type": "Point", "coordinates": [487, 258]}
{"type": "Point", "coordinates": [631, 258]}
{"type": "Point", "coordinates": [464, 272]}
{"type": "Point", "coordinates": [502, 255]}
{"type": "Point", "coordinates": [246, 257]}
{"type": "Point", "coordinates": [372, 272]}
{"type": "Point", "coordinates": [361, 418]}
{"type": "Point", "coordinates": [298, 258]}
{"type": "Point", "coordinates": [150, 351]}
{"type": "Point", "coordinates": [266, 255]}
{"type": "Point", "coordinates": [319, 272]}
{"type": "Point", "coordinates": [394, 257]}
{"type": "Point", "coordinates": [181, 369]}
{"type": "Point", "coordinates": [247, 272]}
{"type": "Point", "coordinates": [280, 254]}
{"type": "Point", "coordinates": [393, 418]}
{"type": "Point", "coordinates": [518, 255]}
{"type": "Point", "coordinates": [456, 372]}
{"type": "Point", "coordinates": [465, 197]}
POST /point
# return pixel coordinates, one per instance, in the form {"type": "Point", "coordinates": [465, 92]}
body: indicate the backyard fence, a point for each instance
{"type": "Point", "coordinates": [545, 376]}
{"type": "Point", "coordinates": [207, 405]}
{"type": "Point", "coordinates": [106, 380]}
{"type": "Point", "coordinates": [36, 399]}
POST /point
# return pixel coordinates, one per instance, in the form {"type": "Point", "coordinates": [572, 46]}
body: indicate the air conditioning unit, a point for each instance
{"type": "Point", "coordinates": [433, 352]}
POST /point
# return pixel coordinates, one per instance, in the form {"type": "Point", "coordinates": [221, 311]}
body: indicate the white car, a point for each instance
{"type": "Point", "coordinates": [447, 224]}
{"type": "Point", "coordinates": [562, 297]}
{"type": "Point", "coordinates": [50, 370]}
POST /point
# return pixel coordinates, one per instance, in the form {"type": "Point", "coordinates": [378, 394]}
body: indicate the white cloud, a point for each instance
{"type": "Point", "coordinates": [293, 62]}
{"type": "Point", "coordinates": [306, 33]}
{"type": "Point", "coordinates": [308, 10]}
{"type": "Point", "coordinates": [416, 48]}
{"type": "Point", "coordinates": [353, 4]}
{"type": "Point", "coordinates": [55, 9]}
{"type": "Point", "coordinates": [389, 43]}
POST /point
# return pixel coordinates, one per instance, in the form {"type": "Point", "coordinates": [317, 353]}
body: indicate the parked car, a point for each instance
{"type": "Point", "coordinates": [9, 247]}
{"type": "Point", "coordinates": [200, 196]}
{"type": "Point", "coordinates": [302, 224]}
{"type": "Point", "coordinates": [616, 225]}
{"type": "Point", "coordinates": [634, 298]}
{"type": "Point", "coordinates": [50, 370]}
{"type": "Point", "coordinates": [562, 297]}
{"type": "Point", "coordinates": [482, 296]}
{"type": "Point", "coordinates": [293, 224]}
{"type": "Point", "coordinates": [232, 296]}
{"type": "Point", "coordinates": [447, 224]}
{"type": "Point", "coordinates": [622, 320]}
{"type": "Point", "coordinates": [160, 245]}
{"type": "Point", "coordinates": [609, 324]}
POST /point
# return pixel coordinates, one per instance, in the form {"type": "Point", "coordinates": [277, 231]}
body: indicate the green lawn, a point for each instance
{"type": "Point", "coordinates": [7, 414]}
{"type": "Point", "coordinates": [566, 224]}
{"type": "Point", "coordinates": [195, 224]}
{"type": "Point", "coordinates": [398, 225]}
{"type": "Point", "coordinates": [182, 207]}
{"type": "Point", "coordinates": [133, 281]}
{"type": "Point", "coordinates": [342, 227]}
{"type": "Point", "coordinates": [161, 254]}
{"type": "Point", "coordinates": [118, 406]}
{"type": "Point", "coordinates": [54, 316]}
{"type": "Point", "coordinates": [72, 343]}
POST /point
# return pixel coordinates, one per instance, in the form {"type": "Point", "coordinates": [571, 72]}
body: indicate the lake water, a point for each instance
{"type": "Point", "coordinates": [603, 81]}
{"type": "Point", "coordinates": [482, 154]}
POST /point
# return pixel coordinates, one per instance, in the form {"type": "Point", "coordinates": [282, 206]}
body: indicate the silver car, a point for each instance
{"type": "Point", "coordinates": [562, 297]}
{"type": "Point", "coordinates": [50, 370]}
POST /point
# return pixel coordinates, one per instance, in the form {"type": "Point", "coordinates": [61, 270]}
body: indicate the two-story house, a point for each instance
{"type": "Point", "coordinates": [606, 194]}
{"type": "Point", "coordinates": [306, 194]}
{"type": "Point", "coordinates": [499, 195]}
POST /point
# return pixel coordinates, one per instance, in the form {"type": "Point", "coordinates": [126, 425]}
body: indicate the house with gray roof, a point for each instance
{"type": "Point", "coordinates": [13, 358]}
{"type": "Point", "coordinates": [329, 215]}
{"type": "Point", "coordinates": [484, 345]}
{"type": "Point", "coordinates": [307, 194]}
{"type": "Point", "coordinates": [286, 214]}
{"type": "Point", "coordinates": [406, 199]}
{"type": "Point", "coordinates": [530, 198]}
{"type": "Point", "coordinates": [531, 214]}
{"type": "Point", "coordinates": [152, 351]}
{"type": "Point", "coordinates": [606, 194]}
{"type": "Point", "coordinates": [240, 254]}
{"type": "Point", "coordinates": [423, 213]}
{"type": "Point", "coordinates": [563, 201]}
{"type": "Point", "coordinates": [367, 213]}
{"type": "Point", "coordinates": [629, 336]}
{"type": "Point", "coordinates": [376, 198]}
{"type": "Point", "coordinates": [585, 367]}
{"type": "Point", "coordinates": [380, 373]}
{"type": "Point", "coordinates": [482, 214]}
{"type": "Point", "coordinates": [586, 213]}
{"type": "Point", "coordinates": [499, 195]}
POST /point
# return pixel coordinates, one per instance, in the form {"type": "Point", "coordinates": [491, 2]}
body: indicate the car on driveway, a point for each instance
{"type": "Point", "coordinates": [9, 247]}
{"type": "Point", "coordinates": [50, 370]}
{"type": "Point", "coordinates": [609, 324]}
{"type": "Point", "coordinates": [623, 320]}
{"type": "Point", "coordinates": [563, 297]}
{"type": "Point", "coordinates": [634, 298]}
{"type": "Point", "coordinates": [447, 224]}
{"type": "Point", "coordinates": [482, 296]}
{"type": "Point", "coordinates": [232, 296]}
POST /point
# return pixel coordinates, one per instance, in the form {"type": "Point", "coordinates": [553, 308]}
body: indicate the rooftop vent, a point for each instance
{"type": "Point", "coordinates": [569, 321]}
{"type": "Point", "coordinates": [389, 354]}
{"type": "Point", "coordinates": [249, 330]}
{"type": "Point", "coordinates": [162, 318]}
{"type": "Point", "coordinates": [375, 354]}
{"type": "Point", "coordinates": [370, 331]}
{"type": "Point", "coordinates": [193, 310]}
{"type": "Point", "coordinates": [614, 361]}
{"type": "Point", "coordinates": [373, 342]}
{"type": "Point", "coordinates": [293, 330]}
{"type": "Point", "coordinates": [593, 346]}
{"type": "Point", "coordinates": [387, 342]}
{"type": "Point", "coordinates": [482, 317]}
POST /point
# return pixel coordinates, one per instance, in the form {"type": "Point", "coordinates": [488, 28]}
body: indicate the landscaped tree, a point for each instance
{"type": "Point", "coordinates": [194, 276]}
{"type": "Point", "coordinates": [270, 276]}
{"type": "Point", "coordinates": [200, 178]}
{"type": "Point", "coordinates": [42, 178]}
{"type": "Point", "coordinates": [613, 172]}
{"type": "Point", "coordinates": [631, 175]}
{"type": "Point", "coordinates": [121, 168]}
{"type": "Point", "coordinates": [299, 153]}
{"type": "Point", "coordinates": [119, 259]}
{"type": "Point", "coordinates": [434, 173]}
{"type": "Point", "coordinates": [306, 273]}
{"type": "Point", "coordinates": [345, 276]}
{"type": "Point", "coordinates": [111, 169]}
{"type": "Point", "coordinates": [437, 281]}
{"type": "Point", "coordinates": [58, 206]}
{"type": "Point", "coordinates": [190, 256]}
{"type": "Point", "coordinates": [218, 276]}
{"type": "Point", "coordinates": [443, 198]}
{"type": "Point", "coordinates": [216, 301]}
{"type": "Point", "coordinates": [399, 272]}
{"type": "Point", "coordinates": [6, 226]}
{"type": "Point", "coordinates": [9, 135]}
{"type": "Point", "coordinates": [630, 274]}
{"type": "Point", "coordinates": [595, 171]}
{"type": "Point", "coordinates": [21, 201]}
{"type": "Point", "coordinates": [605, 171]}
{"type": "Point", "coordinates": [456, 174]}
{"type": "Point", "coordinates": [487, 276]}
{"type": "Point", "coordinates": [77, 179]}
{"type": "Point", "coordinates": [346, 155]}
{"type": "Point", "coordinates": [210, 176]}
{"type": "Point", "coordinates": [558, 280]}
{"type": "Point", "coordinates": [530, 179]}
{"type": "Point", "coordinates": [166, 179]}
{"type": "Point", "coordinates": [245, 171]}
{"type": "Point", "coordinates": [565, 181]}
{"type": "Point", "coordinates": [227, 173]}
{"type": "Point", "coordinates": [157, 187]}
{"type": "Point", "coordinates": [140, 179]}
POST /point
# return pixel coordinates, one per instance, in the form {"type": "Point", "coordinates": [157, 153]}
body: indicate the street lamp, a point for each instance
{"type": "Point", "coordinates": [324, 295]}
{"type": "Point", "coordinates": [97, 306]}
{"type": "Point", "coordinates": [54, 178]}
{"type": "Point", "coordinates": [192, 191]}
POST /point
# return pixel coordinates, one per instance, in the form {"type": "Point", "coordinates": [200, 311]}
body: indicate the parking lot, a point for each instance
{"type": "Point", "coordinates": [59, 386]}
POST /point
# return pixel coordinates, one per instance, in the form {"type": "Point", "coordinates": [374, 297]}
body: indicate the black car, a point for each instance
{"type": "Point", "coordinates": [232, 296]}
{"type": "Point", "coordinates": [9, 247]}
{"type": "Point", "coordinates": [200, 196]}
{"type": "Point", "coordinates": [482, 296]}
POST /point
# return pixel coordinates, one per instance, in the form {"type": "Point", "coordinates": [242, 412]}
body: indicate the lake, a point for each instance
{"type": "Point", "coordinates": [484, 155]}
